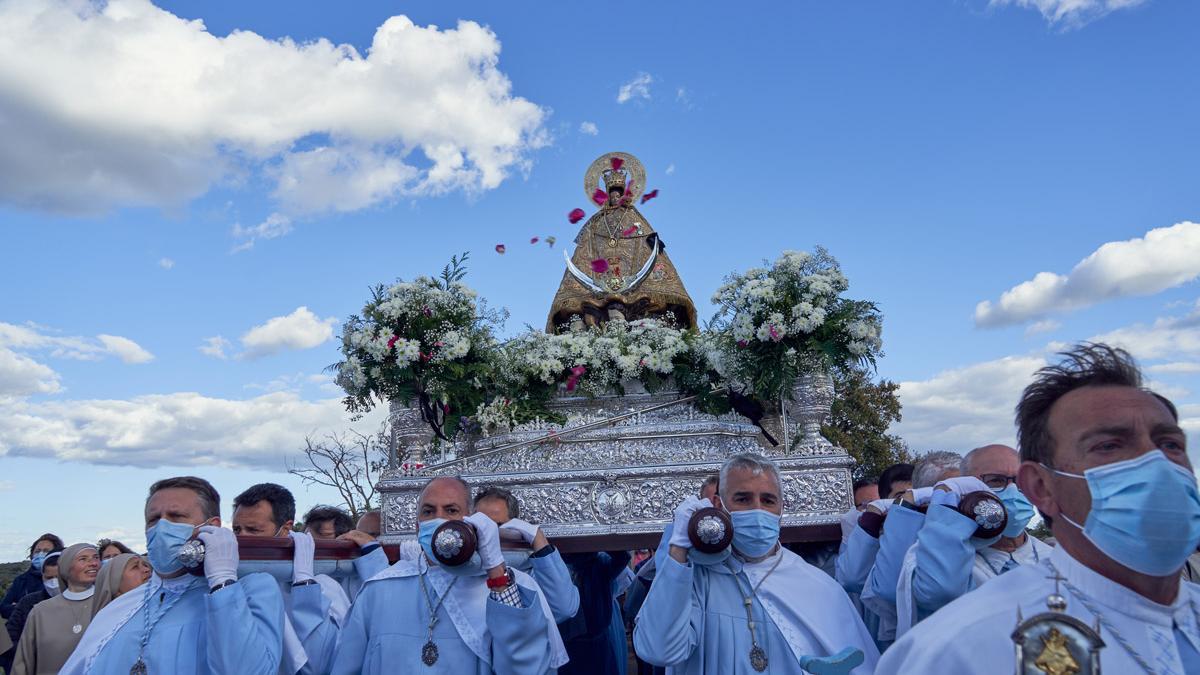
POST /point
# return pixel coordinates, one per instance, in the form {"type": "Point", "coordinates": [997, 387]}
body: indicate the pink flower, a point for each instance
{"type": "Point", "coordinates": [599, 265]}
{"type": "Point", "coordinates": [742, 343]}
{"type": "Point", "coordinates": [649, 195]}
{"type": "Point", "coordinates": [392, 341]}
{"type": "Point", "coordinates": [774, 334]}
{"type": "Point", "coordinates": [576, 215]}
{"type": "Point", "coordinates": [617, 163]}
{"type": "Point", "coordinates": [599, 196]}
{"type": "Point", "coordinates": [576, 373]}
{"type": "Point", "coordinates": [426, 311]}
{"type": "Point", "coordinates": [629, 231]}
{"type": "Point", "coordinates": [533, 240]}
{"type": "Point", "coordinates": [500, 249]}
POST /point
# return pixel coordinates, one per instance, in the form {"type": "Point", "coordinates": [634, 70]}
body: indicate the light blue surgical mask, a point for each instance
{"type": "Point", "coordinates": [163, 542]}
{"type": "Point", "coordinates": [425, 531]}
{"type": "Point", "coordinates": [38, 560]}
{"type": "Point", "coordinates": [51, 586]}
{"type": "Point", "coordinates": [755, 532]}
{"type": "Point", "coordinates": [1145, 513]}
{"type": "Point", "coordinates": [1020, 510]}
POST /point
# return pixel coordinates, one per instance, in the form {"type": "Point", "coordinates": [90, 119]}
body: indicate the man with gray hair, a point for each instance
{"type": "Point", "coordinates": [947, 560]}
{"type": "Point", "coordinates": [905, 518]}
{"type": "Point", "coordinates": [750, 610]}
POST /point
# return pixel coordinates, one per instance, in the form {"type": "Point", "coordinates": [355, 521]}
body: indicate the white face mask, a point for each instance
{"type": "Point", "coordinates": [51, 586]}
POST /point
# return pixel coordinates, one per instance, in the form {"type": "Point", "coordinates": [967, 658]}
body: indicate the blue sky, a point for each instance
{"type": "Point", "coordinates": [165, 185]}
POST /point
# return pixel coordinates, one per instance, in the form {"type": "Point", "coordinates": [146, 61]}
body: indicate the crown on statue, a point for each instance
{"type": "Point", "coordinates": [614, 179]}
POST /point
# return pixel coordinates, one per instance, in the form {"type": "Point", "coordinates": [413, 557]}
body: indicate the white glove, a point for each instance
{"type": "Point", "coordinates": [961, 486]}
{"type": "Point", "coordinates": [882, 505]}
{"type": "Point", "coordinates": [921, 496]}
{"type": "Point", "coordinates": [302, 559]}
{"type": "Point", "coordinates": [488, 537]}
{"type": "Point", "coordinates": [220, 554]}
{"type": "Point", "coordinates": [683, 516]}
{"type": "Point", "coordinates": [528, 530]}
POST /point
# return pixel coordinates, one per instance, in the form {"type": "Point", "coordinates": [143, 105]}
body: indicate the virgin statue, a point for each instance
{"type": "Point", "coordinates": [620, 268]}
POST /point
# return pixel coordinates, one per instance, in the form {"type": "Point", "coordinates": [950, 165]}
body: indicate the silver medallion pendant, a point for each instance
{"type": "Point", "coordinates": [429, 653]}
{"type": "Point", "coordinates": [758, 658]}
{"type": "Point", "coordinates": [77, 629]}
{"type": "Point", "coordinates": [138, 668]}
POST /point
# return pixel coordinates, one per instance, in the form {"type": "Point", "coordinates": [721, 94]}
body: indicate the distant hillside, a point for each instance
{"type": "Point", "coordinates": [10, 571]}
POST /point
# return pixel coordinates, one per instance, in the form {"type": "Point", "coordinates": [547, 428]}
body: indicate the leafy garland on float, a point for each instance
{"type": "Point", "coordinates": [431, 341]}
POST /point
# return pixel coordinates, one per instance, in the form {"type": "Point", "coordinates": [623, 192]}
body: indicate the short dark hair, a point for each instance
{"type": "Point", "coordinates": [52, 538]}
{"type": "Point", "coordinates": [321, 513]}
{"type": "Point", "coordinates": [497, 492]}
{"type": "Point", "coordinates": [865, 482]}
{"type": "Point", "coordinates": [283, 504]}
{"type": "Point", "coordinates": [896, 473]}
{"type": "Point", "coordinates": [714, 479]}
{"type": "Point", "coordinates": [210, 499]}
{"type": "Point", "coordinates": [1088, 364]}
{"type": "Point", "coordinates": [466, 488]}
{"type": "Point", "coordinates": [105, 543]}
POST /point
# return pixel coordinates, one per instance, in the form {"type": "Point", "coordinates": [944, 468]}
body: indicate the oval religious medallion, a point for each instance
{"type": "Point", "coordinates": [758, 658]}
{"type": "Point", "coordinates": [429, 653]}
{"type": "Point", "coordinates": [77, 629]}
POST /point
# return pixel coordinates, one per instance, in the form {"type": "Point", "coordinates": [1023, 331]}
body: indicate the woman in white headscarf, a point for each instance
{"type": "Point", "coordinates": [56, 625]}
{"type": "Point", "coordinates": [122, 574]}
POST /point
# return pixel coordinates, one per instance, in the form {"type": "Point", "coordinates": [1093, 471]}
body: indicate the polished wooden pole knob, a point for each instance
{"type": "Point", "coordinates": [710, 530]}
{"type": "Point", "coordinates": [987, 511]}
{"type": "Point", "coordinates": [454, 543]}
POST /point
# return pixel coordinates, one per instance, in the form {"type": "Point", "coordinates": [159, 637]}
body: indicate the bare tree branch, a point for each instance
{"type": "Point", "coordinates": [349, 463]}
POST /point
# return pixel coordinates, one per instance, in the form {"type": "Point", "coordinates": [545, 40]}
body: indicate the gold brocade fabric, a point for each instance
{"type": "Point", "coordinates": [620, 236]}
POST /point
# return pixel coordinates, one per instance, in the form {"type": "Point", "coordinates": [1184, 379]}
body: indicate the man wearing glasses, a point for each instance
{"type": "Point", "coordinates": [947, 561]}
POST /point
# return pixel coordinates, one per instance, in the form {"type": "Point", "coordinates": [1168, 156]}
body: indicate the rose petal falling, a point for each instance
{"type": "Point", "coordinates": [599, 265]}
{"type": "Point", "coordinates": [617, 163]}
{"type": "Point", "coordinates": [500, 249]}
{"type": "Point", "coordinates": [649, 195]}
{"type": "Point", "coordinates": [600, 197]}
{"type": "Point", "coordinates": [533, 240]}
{"type": "Point", "coordinates": [576, 215]}
{"type": "Point", "coordinates": [550, 241]}
{"type": "Point", "coordinates": [629, 231]}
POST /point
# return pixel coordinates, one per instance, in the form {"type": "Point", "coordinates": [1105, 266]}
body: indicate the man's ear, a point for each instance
{"type": "Point", "coordinates": [215, 521]}
{"type": "Point", "coordinates": [1036, 483]}
{"type": "Point", "coordinates": [289, 526]}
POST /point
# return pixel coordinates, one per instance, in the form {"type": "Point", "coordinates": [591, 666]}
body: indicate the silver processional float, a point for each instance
{"type": "Point", "coordinates": [604, 469]}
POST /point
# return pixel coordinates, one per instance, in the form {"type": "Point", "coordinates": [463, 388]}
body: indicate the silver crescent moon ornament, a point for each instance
{"type": "Point", "coordinates": [637, 174]}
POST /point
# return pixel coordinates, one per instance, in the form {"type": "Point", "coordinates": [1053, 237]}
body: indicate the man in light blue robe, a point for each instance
{"type": "Point", "coordinates": [315, 605]}
{"type": "Point", "coordinates": [545, 563]}
{"type": "Point", "coordinates": [475, 627]}
{"type": "Point", "coordinates": [190, 625]}
{"type": "Point", "coordinates": [694, 619]}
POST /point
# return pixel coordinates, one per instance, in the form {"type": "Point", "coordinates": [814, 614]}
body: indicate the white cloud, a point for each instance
{"type": "Point", "coordinates": [966, 407]}
{"type": "Point", "coordinates": [638, 87]}
{"type": "Point", "coordinates": [299, 330]}
{"type": "Point", "coordinates": [1070, 13]}
{"type": "Point", "coordinates": [1175, 368]}
{"type": "Point", "coordinates": [1043, 326]}
{"type": "Point", "coordinates": [589, 128]}
{"type": "Point", "coordinates": [276, 225]}
{"type": "Point", "coordinates": [125, 349]}
{"type": "Point", "coordinates": [670, 169]}
{"type": "Point", "coordinates": [215, 347]}
{"type": "Point", "coordinates": [180, 429]}
{"type": "Point", "coordinates": [22, 376]}
{"type": "Point", "coordinates": [122, 103]}
{"type": "Point", "coordinates": [1166, 257]}
{"type": "Point", "coordinates": [31, 337]}
{"type": "Point", "coordinates": [1169, 337]}
{"type": "Point", "coordinates": [166, 263]}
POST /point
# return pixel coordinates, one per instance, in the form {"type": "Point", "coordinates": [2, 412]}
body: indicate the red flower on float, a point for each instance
{"type": "Point", "coordinates": [599, 265]}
